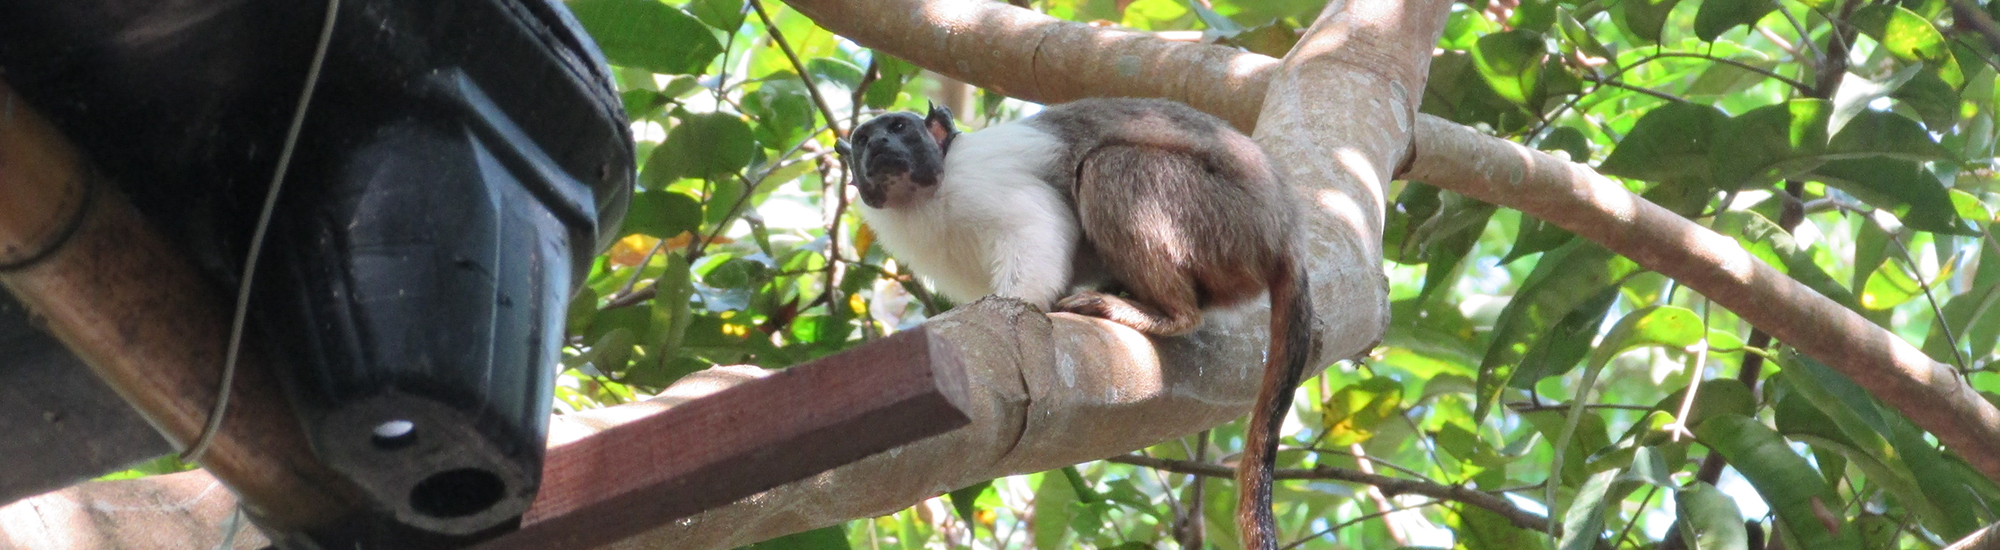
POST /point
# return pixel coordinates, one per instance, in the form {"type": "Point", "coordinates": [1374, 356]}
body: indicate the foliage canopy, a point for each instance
{"type": "Point", "coordinates": [1850, 144]}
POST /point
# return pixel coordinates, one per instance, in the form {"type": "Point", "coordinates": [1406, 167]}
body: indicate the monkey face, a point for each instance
{"type": "Point", "coordinates": [897, 154]}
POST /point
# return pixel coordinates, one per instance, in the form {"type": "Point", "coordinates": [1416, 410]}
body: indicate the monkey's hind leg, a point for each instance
{"type": "Point", "coordinates": [1129, 313]}
{"type": "Point", "coordinates": [1128, 204]}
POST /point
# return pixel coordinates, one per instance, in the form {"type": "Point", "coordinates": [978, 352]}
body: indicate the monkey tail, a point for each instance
{"type": "Point", "coordinates": [1285, 363]}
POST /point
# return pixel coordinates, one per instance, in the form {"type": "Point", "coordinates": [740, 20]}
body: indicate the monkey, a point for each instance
{"type": "Point", "coordinates": [1143, 212]}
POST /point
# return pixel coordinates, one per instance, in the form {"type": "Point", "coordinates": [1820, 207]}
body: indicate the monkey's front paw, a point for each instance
{"type": "Point", "coordinates": [1092, 304]}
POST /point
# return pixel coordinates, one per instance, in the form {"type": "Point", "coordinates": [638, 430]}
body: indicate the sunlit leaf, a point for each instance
{"type": "Point", "coordinates": [1511, 61]}
{"type": "Point", "coordinates": [1350, 415]}
{"type": "Point", "coordinates": [647, 34]}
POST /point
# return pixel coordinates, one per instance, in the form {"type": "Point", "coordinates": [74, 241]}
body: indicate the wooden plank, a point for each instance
{"type": "Point", "coordinates": [712, 451]}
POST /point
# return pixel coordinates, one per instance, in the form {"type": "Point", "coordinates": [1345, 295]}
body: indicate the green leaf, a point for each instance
{"type": "Point", "coordinates": [1776, 247]}
{"type": "Point", "coordinates": [662, 214]}
{"type": "Point", "coordinates": [1947, 514]}
{"type": "Point", "coordinates": [824, 538]}
{"type": "Point", "coordinates": [1463, 28]}
{"type": "Point", "coordinates": [783, 110]}
{"type": "Point", "coordinates": [614, 351]}
{"type": "Point", "coordinates": [582, 310]}
{"type": "Point", "coordinates": [1771, 143]}
{"type": "Point", "coordinates": [641, 103]}
{"type": "Point", "coordinates": [1709, 519]}
{"type": "Point", "coordinates": [1931, 97]}
{"type": "Point", "coordinates": [671, 315]}
{"type": "Point", "coordinates": [1718, 16]}
{"type": "Point", "coordinates": [1511, 62]}
{"type": "Point", "coordinates": [1786, 481]}
{"type": "Point", "coordinates": [1644, 18]}
{"type": "Point", "coordinates": [1563, 279]}
{"type": "Point", "coordinates": [1561, 346]}
{"type": "Point", "coordinates": [1900, 186]}
{"type": "Point", "coordinates": [722, 200]}
{"type": "Point", "coordinates": [893, 72]}
{"type": "Point", "coordinates": [1053, 500]}
{"type": "Point", "coordinates": [1581, 39]}
{"type": "Point", "coordinates": [828, 70]}
{"type": "Point", "coordinates": [1886, 134]}
{"type": "Point", "coordinates": [965, 500]}
{"type": "Point", "coordinates": [1650, 326]}
{"type": "Point", "coordinates": [1725, 79]}
{"type": "Point", "coordinates": [1909, 37]}
{"type": "Point", "coordinates": [1456, 91]}
{"type": "Point", "coordinates": [705, 145]}
{"type": "Point", "coordinates": [1712, 398]}
{"type": "Point", "coordinates": [1583, 523]}
{"type": "Point", "coordinates": [1671, 142]}
{"type": "Point", "coordinates": [1351, 414]}
{"type": "Point", "coordinates": [1534, 237]}
{"type": "Point", "coordinates": [724, 15]}
{"type": "Point", "coordinates": [647, 34]}
{"type": "Point", "coordinates": [1448, 237]}
{"type": "Point", "coordinates": [1414, 206]}
{"type": "Point", "coordinates": [1974, 321]}
{"type": "Point", "coordinates": [735, 273]}
{"type": "Point", "coordinates": [1275, 39]}
{"type": "Point", "coordinates": [1568, 140]}
{"type": "Point", "coordinates": [1534, 15]}
{"type": "Point", "coordinates": [1480, 529]}
{"type": "Point", "coordinates": [1586, 438]}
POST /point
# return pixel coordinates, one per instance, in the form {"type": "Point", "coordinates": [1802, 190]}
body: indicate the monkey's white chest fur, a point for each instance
{"type": "Point", "coordinates": [991, 225]}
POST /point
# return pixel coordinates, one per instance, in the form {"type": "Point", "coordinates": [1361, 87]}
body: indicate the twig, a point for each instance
{"type": "Point", "coordinates": [1966, 14]}
{"type": "Point", "coordinates": [1794, 83]}
{"type": "Point", "coordinates": [1609, 81]}
{"type": "Point", "coordinates": [800, 66]}
{"type": "Point", "coordinates": [1389, 485]}
{"type": "Point", "coordinates": [1910, 262]}
{"type": "Point", "coordinates": [1378, 461]}
{"type": "Point", "coordinates": [1359, 519]}
{"type": "Point", "coordinates": [1525, 407]}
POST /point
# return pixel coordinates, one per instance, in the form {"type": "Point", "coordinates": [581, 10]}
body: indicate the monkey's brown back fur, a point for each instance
{"type": "Point", "coordinates": [1203, 214]}
{"type": "Point", "coordinates": [1185, 213]}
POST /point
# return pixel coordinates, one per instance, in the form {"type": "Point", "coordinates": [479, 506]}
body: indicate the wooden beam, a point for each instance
{"type": "Point", "coordinates": [79, 256]}
{"type": "Point", "coordinates": [715, 450]}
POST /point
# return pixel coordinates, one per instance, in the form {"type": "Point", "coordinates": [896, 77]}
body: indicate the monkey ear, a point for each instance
{"type": "Point", "coordinates": [840, 146]}
{"type": "Point", "coordinates": [940, 124]}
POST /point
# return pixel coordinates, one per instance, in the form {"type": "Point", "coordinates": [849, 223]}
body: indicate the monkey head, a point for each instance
{"type": "Point", "coordinates": [896, 155]}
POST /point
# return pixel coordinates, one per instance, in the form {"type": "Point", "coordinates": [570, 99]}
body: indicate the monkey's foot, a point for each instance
{"type": "Point", "coordinates": [1128, 313]}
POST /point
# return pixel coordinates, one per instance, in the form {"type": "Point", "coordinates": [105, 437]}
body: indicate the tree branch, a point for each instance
{"type": "Point", "coordinates": [1574, 197]}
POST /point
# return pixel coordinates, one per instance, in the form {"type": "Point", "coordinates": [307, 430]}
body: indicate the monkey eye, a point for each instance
{"type": "Point", "coordinates": [897, 125]}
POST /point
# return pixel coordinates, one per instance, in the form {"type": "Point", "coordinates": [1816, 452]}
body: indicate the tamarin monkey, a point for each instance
{"type": "Point", "coordinates": [1147, 198]}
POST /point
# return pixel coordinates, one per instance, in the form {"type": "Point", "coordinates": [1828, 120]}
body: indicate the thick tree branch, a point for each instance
{"type": "Point", "coordinates": [1574, 197]}
{"type": "Point", "coordinates": [1035, 57]}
